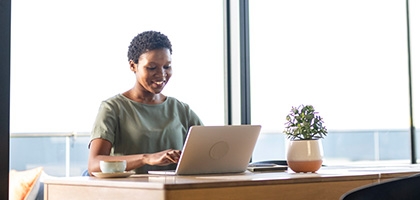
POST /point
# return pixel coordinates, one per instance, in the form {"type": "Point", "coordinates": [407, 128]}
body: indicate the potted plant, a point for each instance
{"type": "Point", "coordinates": [304, 129]}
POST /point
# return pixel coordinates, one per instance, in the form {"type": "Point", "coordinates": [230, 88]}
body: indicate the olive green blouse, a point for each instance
{"type": "Point", "coordinates": [137, 128]}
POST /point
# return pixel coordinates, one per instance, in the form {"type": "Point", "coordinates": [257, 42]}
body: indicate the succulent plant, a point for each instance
{"type": "Point", "coordinates": [303, 123]}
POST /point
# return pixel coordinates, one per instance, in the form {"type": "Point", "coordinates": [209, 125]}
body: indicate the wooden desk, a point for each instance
{"type": "Point", "coordinates": [327, 183]}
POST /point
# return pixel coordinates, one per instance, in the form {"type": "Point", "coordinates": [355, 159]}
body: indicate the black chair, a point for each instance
{"type": "Point", "coordinates": [407, 188]}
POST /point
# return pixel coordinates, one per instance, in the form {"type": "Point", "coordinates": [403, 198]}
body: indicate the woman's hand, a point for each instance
{"type": "Point", "coordinates": [164, 157]}
{"type": "Point", "coordinates": [101, 148]}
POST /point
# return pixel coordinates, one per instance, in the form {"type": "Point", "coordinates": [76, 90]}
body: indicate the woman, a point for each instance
{"type": "Point", "coordinates": [143, 126]}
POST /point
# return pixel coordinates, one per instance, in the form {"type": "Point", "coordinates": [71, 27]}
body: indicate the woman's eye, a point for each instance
{"type": "Point", "coordinates": [167, 67]}
{"type": "Point", "coordinates": [151, 68]}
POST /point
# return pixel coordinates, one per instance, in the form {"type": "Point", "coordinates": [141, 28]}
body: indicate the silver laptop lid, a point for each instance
{"type": "Point", "coordinates": [218, 149]}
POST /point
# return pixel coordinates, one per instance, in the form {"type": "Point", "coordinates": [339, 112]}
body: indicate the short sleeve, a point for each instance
{"type": "Point", "coordinates": [106, 123]}
{"type": "Point", "coordinates": [194, 119]}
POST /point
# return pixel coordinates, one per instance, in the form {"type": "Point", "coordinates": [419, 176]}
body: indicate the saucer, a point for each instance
{"type": "Point", "coordinates": [113, 175]}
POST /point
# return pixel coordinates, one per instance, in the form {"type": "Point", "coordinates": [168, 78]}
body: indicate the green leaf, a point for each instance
{"type": "Point", "coordinates": [304, 123]}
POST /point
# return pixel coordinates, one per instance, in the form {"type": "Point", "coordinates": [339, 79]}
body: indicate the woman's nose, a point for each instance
{"type": "Point", "coordinates": [162, 72]}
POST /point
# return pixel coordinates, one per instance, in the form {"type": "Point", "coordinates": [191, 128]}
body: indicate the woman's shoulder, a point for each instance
{"type": "Point", "coordinates": [117, 99]}
{"type": "Point", "coordinates": [176, 102]}
{"type": "Point", "coordinates": [182, 107]}
{"type": "Point", "coordinates": [114, 98]}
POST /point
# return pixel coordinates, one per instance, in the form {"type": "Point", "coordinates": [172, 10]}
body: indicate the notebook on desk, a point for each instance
{"type": "Point", "coordinates": [216, 150]}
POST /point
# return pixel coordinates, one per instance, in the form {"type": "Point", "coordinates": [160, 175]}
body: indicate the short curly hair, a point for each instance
{"type": "Point", "coordinates": [147, 41]}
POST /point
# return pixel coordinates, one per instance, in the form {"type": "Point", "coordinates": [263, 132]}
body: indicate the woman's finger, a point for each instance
{"type": "Point", "coordinates": [169, 158]}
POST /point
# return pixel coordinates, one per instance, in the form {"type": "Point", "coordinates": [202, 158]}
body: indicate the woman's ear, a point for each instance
{"type": "Point", "coordinates": [133, 66]}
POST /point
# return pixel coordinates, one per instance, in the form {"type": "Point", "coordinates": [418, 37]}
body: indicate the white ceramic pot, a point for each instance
{"type": "Point", "coordinates": [305, 155]}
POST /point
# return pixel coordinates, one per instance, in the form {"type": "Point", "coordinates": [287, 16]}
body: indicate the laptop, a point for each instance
{"type": "Point", "coordinates": [216, 150]}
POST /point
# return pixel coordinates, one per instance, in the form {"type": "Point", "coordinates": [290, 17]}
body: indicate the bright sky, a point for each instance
{"type": "Point", "coordinates": [351, 67]}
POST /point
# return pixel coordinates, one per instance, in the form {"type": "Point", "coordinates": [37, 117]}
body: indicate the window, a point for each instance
{"type": "Point", "coordinates": [347, 62]}
{"type": "Point", "coordinates": [69, 55]}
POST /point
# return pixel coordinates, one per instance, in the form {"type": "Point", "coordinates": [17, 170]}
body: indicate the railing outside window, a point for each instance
{"type": "Point", "coordinates": [66, 154]}
{"type": "Point", "coordinates": [61, 154]}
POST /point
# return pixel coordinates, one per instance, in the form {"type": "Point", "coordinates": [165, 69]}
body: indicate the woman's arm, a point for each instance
{"type": "Point", "coordinates": [101, 148]}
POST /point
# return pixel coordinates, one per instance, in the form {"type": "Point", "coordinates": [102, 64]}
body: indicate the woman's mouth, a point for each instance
{"type": "Point", "coordinates": [159, 84]}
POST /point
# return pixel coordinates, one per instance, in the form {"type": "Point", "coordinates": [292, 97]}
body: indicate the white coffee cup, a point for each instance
{"type": "Point", "coordinates": [112, 166]}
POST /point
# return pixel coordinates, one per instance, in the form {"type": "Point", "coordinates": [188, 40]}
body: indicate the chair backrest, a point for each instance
{"type": "Point", "coordinates": [407, 188]}
{"type": "Point", "coordinates": [85, 173]}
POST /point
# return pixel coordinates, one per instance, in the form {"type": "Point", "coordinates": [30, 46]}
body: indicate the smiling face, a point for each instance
{"type": "Point", "coordinates": [153, 70]}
